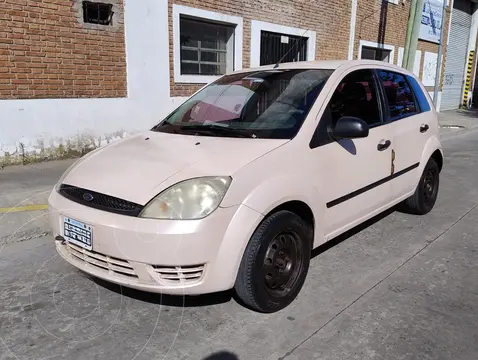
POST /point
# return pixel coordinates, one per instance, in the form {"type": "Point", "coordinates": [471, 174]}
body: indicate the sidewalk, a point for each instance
{"type": "Point", "coordinates": [466, 118]}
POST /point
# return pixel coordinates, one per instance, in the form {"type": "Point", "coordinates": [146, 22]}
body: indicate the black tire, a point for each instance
{"type": "Point", "coordinates": [275, 263]}
{"type": "Point", "coordinates": [425, 196]}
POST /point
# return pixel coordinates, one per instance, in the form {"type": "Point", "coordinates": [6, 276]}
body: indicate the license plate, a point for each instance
{"type": "Point", "coordinates": [78, 233]}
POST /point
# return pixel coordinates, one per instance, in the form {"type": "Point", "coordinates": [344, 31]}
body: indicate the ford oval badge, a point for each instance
{"type": "Point", "coordinates": [88, 197]}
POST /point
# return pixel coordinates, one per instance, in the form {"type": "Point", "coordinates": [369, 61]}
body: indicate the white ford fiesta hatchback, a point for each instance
{"type": "Point", "coordinates": [237, 185]}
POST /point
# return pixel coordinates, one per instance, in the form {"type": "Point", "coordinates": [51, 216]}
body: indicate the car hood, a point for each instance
{"type": "Point", "coordinates": [141, 166]}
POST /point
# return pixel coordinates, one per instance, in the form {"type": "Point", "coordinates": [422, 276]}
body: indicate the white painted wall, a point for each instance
{"type": "Point", "coordinates": [53, 120]}
{"type": "Point", "coordinates": [438, 100]}
{"type": "Point", "coordinates": [429, 68]}
{"type": "Point", "coordinates": [417, 62]}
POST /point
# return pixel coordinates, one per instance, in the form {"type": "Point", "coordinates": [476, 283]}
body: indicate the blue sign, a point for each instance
{"type": "Point", "coordinates": [432, 21]}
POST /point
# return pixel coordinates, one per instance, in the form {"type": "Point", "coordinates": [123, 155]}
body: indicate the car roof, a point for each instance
{"type": "Point", "coordinates": [327, 65]}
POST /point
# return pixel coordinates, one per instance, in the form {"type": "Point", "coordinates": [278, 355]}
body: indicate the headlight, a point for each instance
{"type": "Point", "coordinates": [188, 200]}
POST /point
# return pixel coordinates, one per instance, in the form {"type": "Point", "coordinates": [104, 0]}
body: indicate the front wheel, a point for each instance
{"type": "Point", "coordinates": [425, 196]}
{"type": "Point", "coordinates": [275, 263]}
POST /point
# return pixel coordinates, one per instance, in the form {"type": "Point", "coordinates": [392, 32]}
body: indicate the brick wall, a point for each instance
{"type": "Point", "coordinates": [330, 19]}
{"type": "Point", "coordinates": [46, 51]}
{"type": "Point", "coordinates": [368, 25]}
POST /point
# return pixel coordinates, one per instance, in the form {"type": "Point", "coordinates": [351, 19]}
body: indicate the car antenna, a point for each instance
{"type": "Point", "coordinates": [287, 53]}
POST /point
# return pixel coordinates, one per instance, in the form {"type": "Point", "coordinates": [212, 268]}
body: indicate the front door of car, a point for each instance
{"type": "Point", "coordinates": [352, 174]}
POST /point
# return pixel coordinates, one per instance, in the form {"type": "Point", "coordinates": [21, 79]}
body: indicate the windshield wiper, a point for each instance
{"type": "Point", "coordinates": [164, 123]}
{"type": "Point", "coordinates": [218, 130]}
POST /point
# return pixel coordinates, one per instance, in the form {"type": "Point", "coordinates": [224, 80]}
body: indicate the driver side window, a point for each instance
{"type": "Point", "coordinates": [356, 96]}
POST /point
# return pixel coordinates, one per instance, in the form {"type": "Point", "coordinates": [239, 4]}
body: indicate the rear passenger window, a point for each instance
{"type": "Point", "coordinates": [401, 100]}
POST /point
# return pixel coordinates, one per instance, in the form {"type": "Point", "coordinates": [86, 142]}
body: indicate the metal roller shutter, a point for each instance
{"type": "Point", "coordinates": [456, 56]}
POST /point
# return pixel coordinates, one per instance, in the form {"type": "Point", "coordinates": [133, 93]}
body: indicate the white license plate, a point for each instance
{"type": "Point", "coordinates": [78, 233]}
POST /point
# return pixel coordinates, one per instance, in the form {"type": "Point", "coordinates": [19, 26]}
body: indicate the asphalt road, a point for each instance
{"type": "Point", "coordinates": [20, 186]}
{"type": "Point", "coordinates": [401, 287]}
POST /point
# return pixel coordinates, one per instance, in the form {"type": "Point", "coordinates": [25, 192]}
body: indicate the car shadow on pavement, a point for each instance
{"type": "Point", "coordinates": [225, 296]}
{"type": "Point", "coordinates": [167, 300]}
{"type": "Point", "coordinates": [222, 355]}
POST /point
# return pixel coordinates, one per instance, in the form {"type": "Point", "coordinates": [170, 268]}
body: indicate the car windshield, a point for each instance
{"type": "Point", "coordinates": [265, 104]}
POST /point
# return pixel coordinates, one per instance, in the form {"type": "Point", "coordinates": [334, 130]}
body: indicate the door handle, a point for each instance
{"type": "Point", "coordinates": [383, 145]}
{"type": "Point", "coordinates": [424, 128]}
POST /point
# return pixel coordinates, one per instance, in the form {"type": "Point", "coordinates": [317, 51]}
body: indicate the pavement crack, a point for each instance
{"type": "Point", "coordinates": [24, 236]}
{"type": "Point", "coordinates": [290, 352]}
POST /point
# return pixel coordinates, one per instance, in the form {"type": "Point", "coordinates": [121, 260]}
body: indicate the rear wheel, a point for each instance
{"type": "Point", "coordinates": [275, 263]}
{"type": "Point", "coordinates": [424, 198]}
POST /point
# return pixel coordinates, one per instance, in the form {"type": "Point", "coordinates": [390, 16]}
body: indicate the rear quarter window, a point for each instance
{"type": "Point", "coordinates": [420, 96]}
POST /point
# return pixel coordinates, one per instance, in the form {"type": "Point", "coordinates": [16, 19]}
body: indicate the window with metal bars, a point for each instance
{"type": "Point", "coordinates": [97, 13]}
{"type": "Point", "coordinates": [206, 47]}
{"type": "Point", "coordinates": [275, 46]}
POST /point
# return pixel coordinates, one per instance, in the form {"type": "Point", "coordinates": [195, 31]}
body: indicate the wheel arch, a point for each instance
{"type": "Point", "coordinates": [438, 157]}
{"type": "Point", "coordinates": [282, 193]}
{"type": "Point", "coordinates": [293, 194]}
{"type": "Point", "coordinates": [298, 207]}
{"type": "Point", "coordinates": [433, 150]}
{"type": "Point", "coordinates": [301, 209]}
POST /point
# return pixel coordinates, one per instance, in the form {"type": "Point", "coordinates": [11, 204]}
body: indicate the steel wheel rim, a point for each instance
{"type": "Point", "coordinates": [430, 187]}
{"type": "Point", "coordinates": [283, 263]}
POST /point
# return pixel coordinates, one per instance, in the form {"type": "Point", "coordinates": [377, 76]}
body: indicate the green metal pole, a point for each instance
{"type": "Point", "coordinates": [411, 20]}
{"type": "Point", "coordinates": [414, 36]}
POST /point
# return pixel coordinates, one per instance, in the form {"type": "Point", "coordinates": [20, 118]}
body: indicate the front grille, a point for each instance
{"type": "Point", "coordinates": [178, 274]}
{"type": "Point", "coordinates": [112, 265]}
{"type": "Point", "coordinates": [100, 201]}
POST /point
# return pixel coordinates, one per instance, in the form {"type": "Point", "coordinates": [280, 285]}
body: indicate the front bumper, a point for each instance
{"type": "Point", "coordinates": [184, 257]}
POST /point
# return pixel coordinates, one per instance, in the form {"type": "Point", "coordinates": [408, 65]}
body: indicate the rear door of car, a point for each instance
{"type": "Point", "coordinates": [352, 174]}
{"type": "Point", "coordinates": [406, 109]}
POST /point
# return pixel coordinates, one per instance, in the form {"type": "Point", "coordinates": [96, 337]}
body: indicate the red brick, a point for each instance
{"type": "Point", "coordinates": [42, 43]}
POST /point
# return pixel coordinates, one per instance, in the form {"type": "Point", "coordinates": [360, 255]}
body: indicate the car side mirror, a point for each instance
{"type": "Point", "coordinates": [349, 127]}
